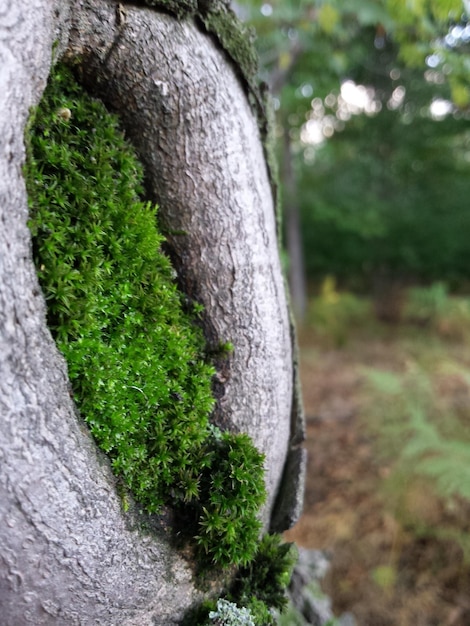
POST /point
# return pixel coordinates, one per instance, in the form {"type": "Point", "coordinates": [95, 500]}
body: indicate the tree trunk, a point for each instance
{"type": "Point", "coordinates": [69, 554]}
{"type": "Point", "coordinates": [297, 282]}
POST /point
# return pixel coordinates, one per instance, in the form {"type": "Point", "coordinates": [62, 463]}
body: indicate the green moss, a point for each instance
{"type": "Point", "coordinates": [135, 357]}
{"type": "Point", "coordinates": [112, 304]}
{"type": "Point", "coordinates": [262, 583]}
{"type": "Point", "coordinates": [258, 587]}
{"type": "Point", "coordinates": [226, 348]}
{"type": "Point", "coordinates": [234, 37]}
{"type": "Point", "coordinates": [232, 491]}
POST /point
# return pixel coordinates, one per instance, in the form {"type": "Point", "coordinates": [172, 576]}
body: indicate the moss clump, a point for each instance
{"type": "Point", "coordinates": [258, 587]}
{"type": "Point", "coordinates": [231, 493]}
{"type": "Point", "coordinates": [262, 583]}
{"type": "Point", "coordinates": [134, 355]}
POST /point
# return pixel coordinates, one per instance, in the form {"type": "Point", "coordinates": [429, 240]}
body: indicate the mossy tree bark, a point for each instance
{"type": "Point", "coordinates": [69, 554]}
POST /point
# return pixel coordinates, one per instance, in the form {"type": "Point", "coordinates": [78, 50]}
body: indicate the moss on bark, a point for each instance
{"type": "Point", "coordinates": [135, 356]}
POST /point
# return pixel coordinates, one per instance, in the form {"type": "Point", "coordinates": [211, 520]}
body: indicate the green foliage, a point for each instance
{"type": "Point", "coordinates": [401, 178]}
{"type": "Point", "coordinates": [135, 357]}
{"type": "Point", "coordinates": [427, 303]}
{"type": "Point", "coordinates": [259, 586]}
{"type": "Point", "coordinates": [333, 313]}
{"type": "Point", "coordinates": [398, 200]}
{"type": "Point", "coordinates": [419, 26]}
{"type": "Point", "coordinates": [434, 307]}
{"type": "Point", "coordinates": [429, 443]}
{"type": "Point", "coordinates": [262, 583]}
{"type": "Point", "coordinates": [445, 460]}
{"type": "Point", "coordinates": [331, 36]}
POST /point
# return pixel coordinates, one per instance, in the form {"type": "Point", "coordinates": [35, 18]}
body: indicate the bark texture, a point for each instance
{"type": "Point", "coordinates": [68, 554]}
{"type": "Point", "coordinates": [186, 112]}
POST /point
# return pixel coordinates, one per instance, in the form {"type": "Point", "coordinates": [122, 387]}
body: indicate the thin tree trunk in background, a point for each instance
{"type": "Point", "coordinates": [296, 268]}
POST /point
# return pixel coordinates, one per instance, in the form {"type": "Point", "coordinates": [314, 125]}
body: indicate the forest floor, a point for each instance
{"type": "Point", "coordinates": [385, 568]}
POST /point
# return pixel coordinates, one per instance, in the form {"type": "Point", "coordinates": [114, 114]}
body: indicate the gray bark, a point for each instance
{"type": "Point", "coordinates": [186, 113]}
{"type": "Point", "coordinates": [68, 554]}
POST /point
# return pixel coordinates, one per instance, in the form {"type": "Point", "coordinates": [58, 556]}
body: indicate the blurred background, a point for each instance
{"type": "Point", "coordinates": [372, 104]}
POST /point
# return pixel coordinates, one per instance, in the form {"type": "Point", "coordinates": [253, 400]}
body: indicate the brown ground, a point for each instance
{"type": "Point", "coordinates": [380, 571]}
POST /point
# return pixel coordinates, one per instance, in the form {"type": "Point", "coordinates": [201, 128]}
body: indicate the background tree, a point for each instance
{"type": "Point", "coordinates": [70, 553]}
{"type": "Point", "coordinates": [401, 178]}
{"type": "Point", "coordinates": [406, 61]}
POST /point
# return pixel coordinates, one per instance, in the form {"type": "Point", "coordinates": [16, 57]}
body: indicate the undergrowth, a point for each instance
{"type": "Point", "coordinates": [334, 315]}
{"type": "Point", "coordinates": [135, 355]}
{"type": "Point", "coordinates": [426, 441]}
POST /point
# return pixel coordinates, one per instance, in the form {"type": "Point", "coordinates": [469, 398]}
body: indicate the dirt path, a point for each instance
{"type": "Point", "coordinates": [380, 572]}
